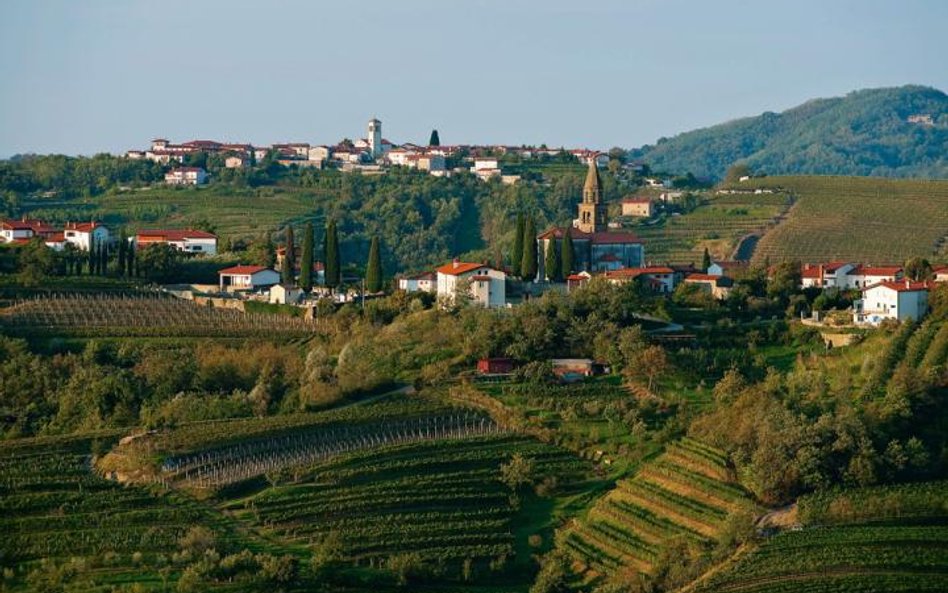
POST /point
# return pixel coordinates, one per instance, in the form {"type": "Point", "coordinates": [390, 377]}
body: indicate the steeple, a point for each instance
{"type": "Point", "coordinates": [592, 189]}
{"type": "Point", "coordinates": [593, 217]}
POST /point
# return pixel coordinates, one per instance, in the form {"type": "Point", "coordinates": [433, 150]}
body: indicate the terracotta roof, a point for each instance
{"type": "Point", "coordinates": [813, 272]}
{"type": "Point", "coordinates": [456, 268]}
{"type": "Point", "coordinates": [635, 272]}
{"type": "Point", "coordinates": [637, 200]}
{"type": "Point", "coordinates": [56, 238]}
{"type": "Point", "coordinates": [18, 225]}
{"type": "Point", "coordinates": [577, 277]}
{"type": "Point", "coordinates": [82, 227]}
{"type": "Point", "coordinates": [241, 270]}
{"type": "Point", "coordinates": [833, 266]}
{"type": "Point", "coordinates": [702, 278]}
{"type": "Point", "coordinates": [862, 270]}
{"type": "Point", "coordinates": [600, 238]}
{"type": "Point", "coordinates": [901, 286]}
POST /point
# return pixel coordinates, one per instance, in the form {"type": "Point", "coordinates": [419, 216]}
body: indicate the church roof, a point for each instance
{"type": "Point", "coordinates": [593, 181]}
{"type": "Point", "coordinates": [600, 238]}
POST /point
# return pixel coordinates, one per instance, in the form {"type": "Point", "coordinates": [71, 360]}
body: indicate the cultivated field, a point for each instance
{"type": "Point", "coordinates": [93, 315]}
{"type": "Point", "coordinates": [687, 492]}
{"type": "Point", "coordinates": [862, 219]}
{"type": "Point", "coordinates": [719, 224]}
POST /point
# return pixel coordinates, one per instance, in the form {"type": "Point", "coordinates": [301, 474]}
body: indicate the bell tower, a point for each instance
{"type": "Point", "coordinates": [375, 138]}
{"type": "Point", "coordinates": [593, 215]}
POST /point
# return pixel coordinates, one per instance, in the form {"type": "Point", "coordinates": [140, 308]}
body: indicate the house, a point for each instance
{"type": "Point", "coordinates": [495, 366]}
{"type": "Point", "coordinates": [575, 369]}
{"type": "Point", "coordinates": [84, 234]}
{"type": "Point", "coordinates": [240, 278]}
{"type": "Point", "coordinates": [829, 275]}
{"type": "Point", "coordinates": [726, 268]}
{"type": "Point", "coordinates": [656, 278]}
{"type": "Point", "coordinates": [186, 176]}
{"type": "Point", "coordinates": [718, 286]}
{"type": "Point", "coordinates": [575, 281]}
{"type": "Point", "coordinates": [486, 168]}
{"type": "Point", "coordinates": [188, 240]}
{"type": "Point", "coordinates": [237, 162]}
{"type": "Point", "coordinates": [900, 300]}
{"type": "Point", "coordinates": [433, 163]}
{"type": "Point", "coordinates": [486, 286]}
{"type": "Point", "coordinates": [638, 207]}
{"type": "Point", "coordinates": [424, 282]}
{"type": "Point", "coordinates": [940, 273]}
{"type": "Point", "coordinates": [846, 276]}
{"type": "Point", "coordinates": [862, 276]}
{"type": "Point", "coordinates": [285, 294]}
{"type": "Point", "coordinates": [15, 231]}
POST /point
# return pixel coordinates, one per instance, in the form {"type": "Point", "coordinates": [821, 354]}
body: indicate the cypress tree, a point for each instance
{"type": "Point", "coordinates": [516, 256]}
{"type": "Point", "coordinates": [568, 255]}
{"type": "Point", "coordinates": [434, 140]}
{"type": "Point", "coordinates": [306, 259]}
{"type": "Point", "coordinates": [130, 260]}
{"type": "Point", "coordinates": [528, 264]}
{"type": "Point", "coordinates": [122, 248]}
{"type": "Point", "coordinates": [552, 263]}
{"type": "Point", "coordinates": [333, 271]}
{"type": "Point", "coordinates": [92, 257]}
{"type": "Point", "coordinates": [289, 259]}
{"type": "Point", "coordinates": [705, 260]}
{"type": "Point", "coordinates": [104, 260]}
{"type": "Point", "coordinates": [373, 269]}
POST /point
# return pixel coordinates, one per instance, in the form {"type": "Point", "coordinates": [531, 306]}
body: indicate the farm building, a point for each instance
{"type": "Point", "coordinates": [285, 294]}
{"type": "Point", "coordinates": [574, 281]}
{"type": "Point", "coordinates": [424, 282]}
{"type": "Point", "coordinates": [573, 369]}
{"type": "Point", "coordinates": [186, 176]}
{"type": "Point", "coordinates": [84, 234]}
{"type": "Point", "coordinates": [188, 240]}
{"type": "Point", "coordinates": [901, 300]}
{"type": "Point", "coordinates": [643, 207]}
{"type": "Point", "coordinates": [240, 278]}
{"type": "Point", "coordinates": [657, 278]}
{"type": "Point", "coordinates": [495, 366]}
{"type": "Point", "coordinates": [718, 286]}
{"type": "Point", "coordinates": [487, 286]}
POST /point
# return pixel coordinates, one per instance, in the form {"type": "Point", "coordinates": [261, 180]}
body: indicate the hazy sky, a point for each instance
{"type": "Point", "coordinates": [86, 76]}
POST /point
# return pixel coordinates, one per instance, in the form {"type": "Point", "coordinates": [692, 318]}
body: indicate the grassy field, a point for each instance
{"type": "Point", "coordinates": [687, 492]}
{"type": "Point", "coordinates": [718, 224]}
{"type": "Point", "coordinates": [862, 219]}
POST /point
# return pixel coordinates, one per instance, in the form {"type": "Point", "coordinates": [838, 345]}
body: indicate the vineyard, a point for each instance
{"type": "Point", "coordinates": [687, 492]}
{"type": "Point", "coordinates": [719, 224]}
{"type": "Point", "coordinates": [141, 315]}
{"type": "Point", "coordinates": [440, 500]}
{"type": "Point", "coordinates": [869, 220]}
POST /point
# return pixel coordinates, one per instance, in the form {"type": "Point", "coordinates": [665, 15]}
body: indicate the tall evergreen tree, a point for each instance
{"type": "Point", "coordinates": [528, 264]}
{"type": "Point", "coordinates": [568, 255]}
{"type": "Point", "coordinates": [705, 260]}
{"type": "Point", "coordinates": [104, 260]}
{"type": "Point", "coordinates": [130, 260]}
{"type": "Point", "coordinates": [122, 249]}
{"type": "Point", "coordinates": [434, 140]}
{"type": "Point", "coordinates": [373, 269]}
{"type": "Point", "coordinates": [306, 259]}
{"type": "Point", "coordinates": [92, 257]}
{"type": "Point", "coordinates": [333, 268]}
{"type": "Point", "coordinates": [552, 264]}
{"type": "Point", "coordinates": [287, 274]}
{"type": "Point", "coordinates": [516, 256]}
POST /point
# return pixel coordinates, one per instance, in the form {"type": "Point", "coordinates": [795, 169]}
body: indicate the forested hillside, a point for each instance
{"type": "Point", "coordinates": [867, 132]}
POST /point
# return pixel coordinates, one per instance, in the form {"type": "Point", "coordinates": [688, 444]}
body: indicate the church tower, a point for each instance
{"type": "Point", "coordinates": [375, 138]}
{"type": "Point", "coordinates": [593, 217]}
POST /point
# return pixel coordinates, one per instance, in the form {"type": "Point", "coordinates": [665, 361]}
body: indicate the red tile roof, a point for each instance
{"type": "Point", "coordinates": [701, 278]}
{"type": "Point", "coordinates": [862, 270]}
{"type": "Point", "coordinates": [456, 268]}
{"type": "Point", "coordinates": [635, 272]}
{"type": "Point", "coordinates": [18, 225]}
{"type": "Point", "coordinates": [637, 201]}
{"type": "Point", "coordinates": [242, 270]}
{"type": "Point", "coordinates": [82, 227]}
{"type": "Point", "coordinates": [901, 286]}
{"type": "Point", "coordinates": [152, 235]}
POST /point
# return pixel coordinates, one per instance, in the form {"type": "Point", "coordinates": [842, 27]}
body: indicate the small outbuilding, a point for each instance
{"type": "Point", "coordinates": [285, 294]}
{"type": "Point", "coordinates": [495, 366]}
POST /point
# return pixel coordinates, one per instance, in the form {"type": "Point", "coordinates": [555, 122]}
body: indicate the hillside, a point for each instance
{"type": "Point", "coordinates": [866, 132]}
{"type": "Point", "coordinates": [859, 219]}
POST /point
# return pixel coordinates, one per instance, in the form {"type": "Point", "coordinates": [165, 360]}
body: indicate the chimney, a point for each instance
{"type": "Point", "coordinates": [455, 263]}
{"type": "Point", "coordinates": [908, 283]}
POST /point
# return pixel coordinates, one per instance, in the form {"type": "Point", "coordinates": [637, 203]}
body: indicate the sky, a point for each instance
{"type": "Point", "coordinates": [88, 76]}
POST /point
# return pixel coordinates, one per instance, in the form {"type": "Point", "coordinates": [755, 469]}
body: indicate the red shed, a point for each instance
{"type": "Point", "coordinates": [494, 366]}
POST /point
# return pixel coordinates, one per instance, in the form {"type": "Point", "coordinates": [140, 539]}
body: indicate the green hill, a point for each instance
{"type": "Point", "coordinates": [867, 132]}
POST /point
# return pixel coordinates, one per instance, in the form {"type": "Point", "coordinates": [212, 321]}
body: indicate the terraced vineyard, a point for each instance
{"type": "Point", "coordinates": [53, 506]}
{"type": "Point", "coordinates": [141, 315]}
{"type": "Point", "coordinates": [863, 219]}
{"type": "Point", "coordinates": [718, 225]}
{"type": "Point", "coordinates": [440, 500]}
{"type": "Point", "coordinates": [688, 492]}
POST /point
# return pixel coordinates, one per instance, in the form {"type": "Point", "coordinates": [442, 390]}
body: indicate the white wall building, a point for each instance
{"type": "Point", "coordinates": [15, 230]}
{"type": "Point", "coordinates": [282, 294]}
{"type": "Point", "coordinates": [487, 286]}
{"type": "Point", "coordinates": [900, 300]}
{"type": "Point", "coordinates": [83, 234]}
{"type": "Point", "coordinates": [188, 240]}
{"type": "Point", "coordinates": [186, 176]}
{"type": "Point", "coordinates": [425, 282]}
{"type": "Point", "coordinates": [247, 278]}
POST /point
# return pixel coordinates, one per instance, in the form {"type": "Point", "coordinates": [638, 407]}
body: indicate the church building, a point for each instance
{"type": "Point", "coordinates": [596, 248]}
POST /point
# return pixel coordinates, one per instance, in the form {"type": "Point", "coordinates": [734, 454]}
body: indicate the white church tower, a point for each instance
{"type": "Point", "coordinates": [375, 138]}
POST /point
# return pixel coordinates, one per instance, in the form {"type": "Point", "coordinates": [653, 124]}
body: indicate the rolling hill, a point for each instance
{"type": "Point", "coordinates": [867, 132]}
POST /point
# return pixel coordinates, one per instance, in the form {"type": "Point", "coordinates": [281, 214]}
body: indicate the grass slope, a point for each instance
{"type": "Point", "coordinates": [858, 219]}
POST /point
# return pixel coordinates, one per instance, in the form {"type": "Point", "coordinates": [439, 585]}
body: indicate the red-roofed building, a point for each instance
{"type": "Point", "coordinates": [574, 281]}
{"type": "Point", "coordinates": [638, 207]}
{"type": "Point", "coordinates": [718, 286]}
{"type": "Point", "coordinates": [940, 273]}
{"type": "Point", "coordinates": [900, 300]}
{"type": "Point", "coordinates": [187, 240]}
{"type": "Point", "coordinates": [244, 278]}
{"type": "Point", "coordinates": [657, 278]}
{"type": "Point", "coordinates": [12, 230]}
{"type": "Point", "coordinates": [84, 234]}
{"type": "Point", "coordinates": [486, 286]}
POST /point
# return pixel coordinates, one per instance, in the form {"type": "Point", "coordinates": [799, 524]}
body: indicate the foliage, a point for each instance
{"type": "Point", "coordinates": [307, 258]}
{"type": "Point", "coordinates": [373, 268]}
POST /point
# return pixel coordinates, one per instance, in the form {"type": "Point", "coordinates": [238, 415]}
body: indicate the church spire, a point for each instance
{"type": "Point", "coordinates": [593, 216]}
{"type": "Point", "coordinates": [592, 189]}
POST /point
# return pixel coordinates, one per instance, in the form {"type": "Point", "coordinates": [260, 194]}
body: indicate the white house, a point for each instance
{"type": "Point", "coordinates": [236, 161]}
{"type": "Point", "coordinates": [941, 274]}
{"type": "Point", "coordinates": [284, 294]}
{"type": "Point", "coordinates": [900, 300]}
{"type": "Point", "coordinates": [83, 234]}
{"type": "Point", "coordinates": [247, 278]}
{"type": "Point", "coordinates": [15, 231]}
{"type": "Point", "coordinates": [831, 275]}
{"type": "Point", "coordinates": [188, 240]}
{"type": "Point", "coordinates": [656, 278]}
{"type": "Point", "coordinates": [186, 176]}
{"type": "Point", "coordinates": [862, 276]}
{"type": "Point", "coordinates": [424, 282]}
{"type": "Point", "coordinates": [638, 207]}
{"type": "Point", "coordinates": [487, 286]}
